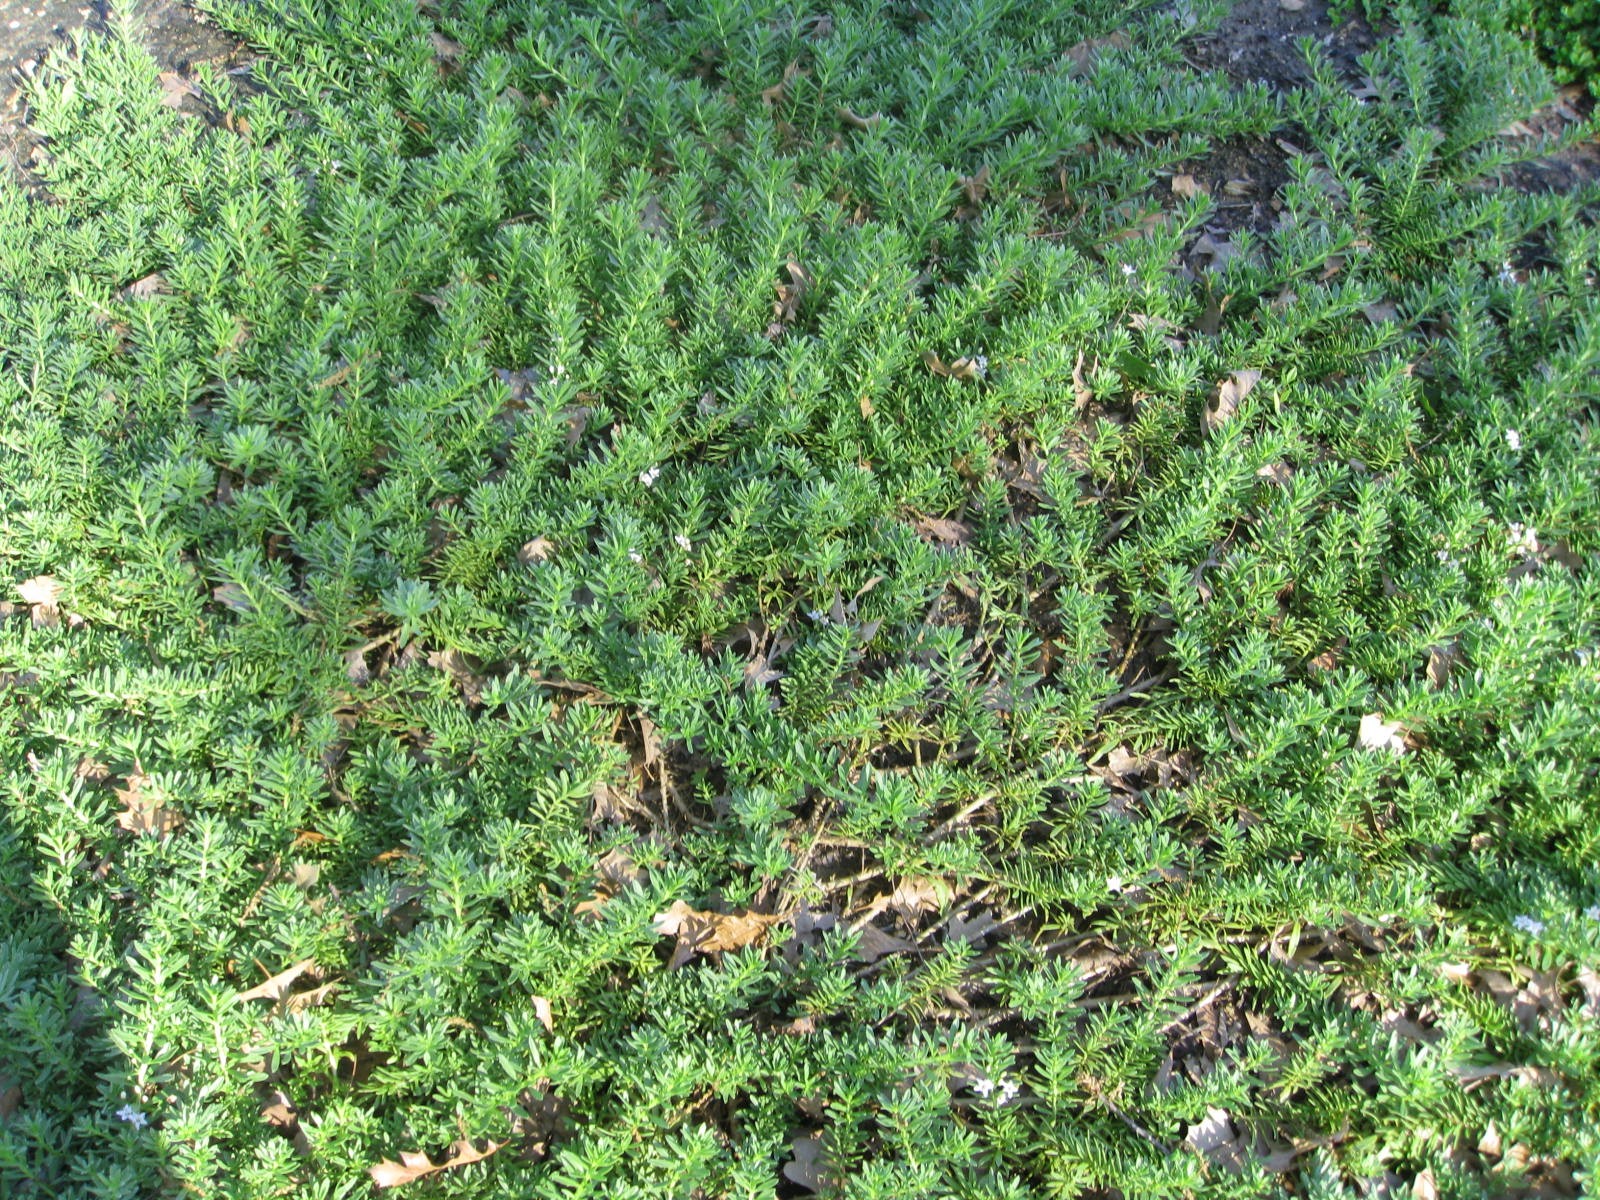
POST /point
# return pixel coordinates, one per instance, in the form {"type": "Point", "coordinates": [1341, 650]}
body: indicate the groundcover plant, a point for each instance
{"type": "Point", "coordinates": [736, 598]}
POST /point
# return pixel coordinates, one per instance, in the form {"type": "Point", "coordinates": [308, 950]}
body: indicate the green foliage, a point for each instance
{"type": "Point", "coordinates": [529, 471]}
{"type": "Point", "coordinates": [1567, 33]}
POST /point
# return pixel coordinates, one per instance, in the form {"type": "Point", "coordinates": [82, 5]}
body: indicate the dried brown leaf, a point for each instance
{"type": "Point", "coordinates": [1185, 187]}
{"type": "Point", "coordinates": [542, 1010]}
{"type": "Point", "coordinates": [1082, 56]}
{"type": "Point", "coordinates": [1214, 1138]}
{"type": "Point", "coordinates": [145, 810]}
{"type": "Point", "coordinates": [41, 590]}
{"type": "Point", "coordinates": [412, 1167]}
{"type": "Point", "coordinates": [447, 51]}
{"type": "Point", "coordinates": [920, 893]}
{"type": "Point", "coordinates": [710, 932]}
{"type": "Point", "coordinates": [807, 1166]}
{"type": "Point", "coordinates": [174, 88]}
{"type": "Point", "coordinates": [1231, 392]}
{"type": "Point", "coordinates": [273, 989]}
{"type": "Point", "coordinates": [1441, 661]}
{"type": "Point", "coordinates": [537, 550]}
{"type": "Point", "coordinates": [849, 117]}
{"type": "Point", "coordinates": [873, 943]}
{"type": "Point", "coordinates": [946, 530]}
{"type": "Point", "coordinates": [778, 92]}
{"type": "Point", "coordinates": [317, 996]}
{"type": "Point", "coordinates": [1081, 392]}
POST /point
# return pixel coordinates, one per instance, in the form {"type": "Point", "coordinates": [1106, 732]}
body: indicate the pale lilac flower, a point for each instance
{"type": "Point", "coordinates": [648, 478]}
{"type": "Point", "coordinates": [1592, 912]}
{"type": "Point", "coordinates": [1508, 274]}
{"type": "Point", "coordinates": [984, 1087]}
{"type": "Point", "coordinates": [1529, 925]}
{"type": "Point", "coordinates": [683, 542]}
{"type": "Point", "coordinates": [1128, 270]}
{"type": "Point", "coordinates": [132, 1116]}
{"type": "Point", "coordinates": [816, 614]}
{"type": "Point", "coordinates": [1513, 439]}
{"type": "Point", "coordinates": [1010, 1089]}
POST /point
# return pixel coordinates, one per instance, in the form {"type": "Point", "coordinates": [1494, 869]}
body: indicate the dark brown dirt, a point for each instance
{"type": "Point", "coordinates": [1259, 40]}
{"type": "Point", "coordinates": [176, 35]}
{"type": "Point", "coordinates": [1567, 170]}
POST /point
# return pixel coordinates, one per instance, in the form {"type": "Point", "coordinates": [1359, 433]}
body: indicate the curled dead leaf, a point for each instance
{"type": "Point", "coordinates": [275, 988]}
{"type": "Point", "coordinates": [849, 117]}
{"type": "Point", "coordinates": [412, 1166]}
{"type": "Point", "coordinates": [1230, 394]}
{"type": "Point", "coordinates": [1441, 661]}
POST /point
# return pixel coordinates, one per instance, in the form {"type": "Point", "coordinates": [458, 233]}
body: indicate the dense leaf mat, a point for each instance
{"type": "Point", "coordinates": [723, 598]}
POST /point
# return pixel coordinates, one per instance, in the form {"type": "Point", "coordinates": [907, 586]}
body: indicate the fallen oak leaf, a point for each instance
{"type": "Point", "coordinates": [145, 811]}
{"type": "Point", "coordinates": [273, 989]}
{"type": "Point", "coordinates": [701, 932]}
{"type": "Point", "coordinates": [943, 529]}
{"type": "Point", "coordinates": [174, 88]}
{"type": "Point", "coordinates": [413, 1166]}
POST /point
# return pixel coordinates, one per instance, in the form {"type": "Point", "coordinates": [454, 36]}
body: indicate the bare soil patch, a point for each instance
{"type": "Point", "coordinates": [176, 35]}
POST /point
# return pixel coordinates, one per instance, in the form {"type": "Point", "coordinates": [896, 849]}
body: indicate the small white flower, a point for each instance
{"type": "Point", "coordinates": [635, 557]}
{"type": "Point", "coordinates": [648, 478]}
{"type": "Point", "coordinates": [1376, 734]}
{"type": "Point", "coordinates": [1010, 1089]}
{"type": "Point", "coordinates": [1447, 558]}
{"type": "Point", "coordinates": [1592, 912]}
{"type": "Point", "coordinates": [1527, 924]}
{"type": "Point", "coordinates": [132, 1116]}
{"type": "Point", "coordinates": [683, 542]}
{"type": "Point", "coordinates": [816, 614]}
{"type": "Point", "coordinates": [984, 1087]}
{"type": "Point", "coordinates": [1113, 883]}
{"type": "Point", "coordinates": [1513, 439]}
{"type": "Point", "coordinates": [1128, 270]}
{"type": "Point", "coordinates": [1521, 539]}
{"type": "Point", "coordinates": [1508, 274]}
